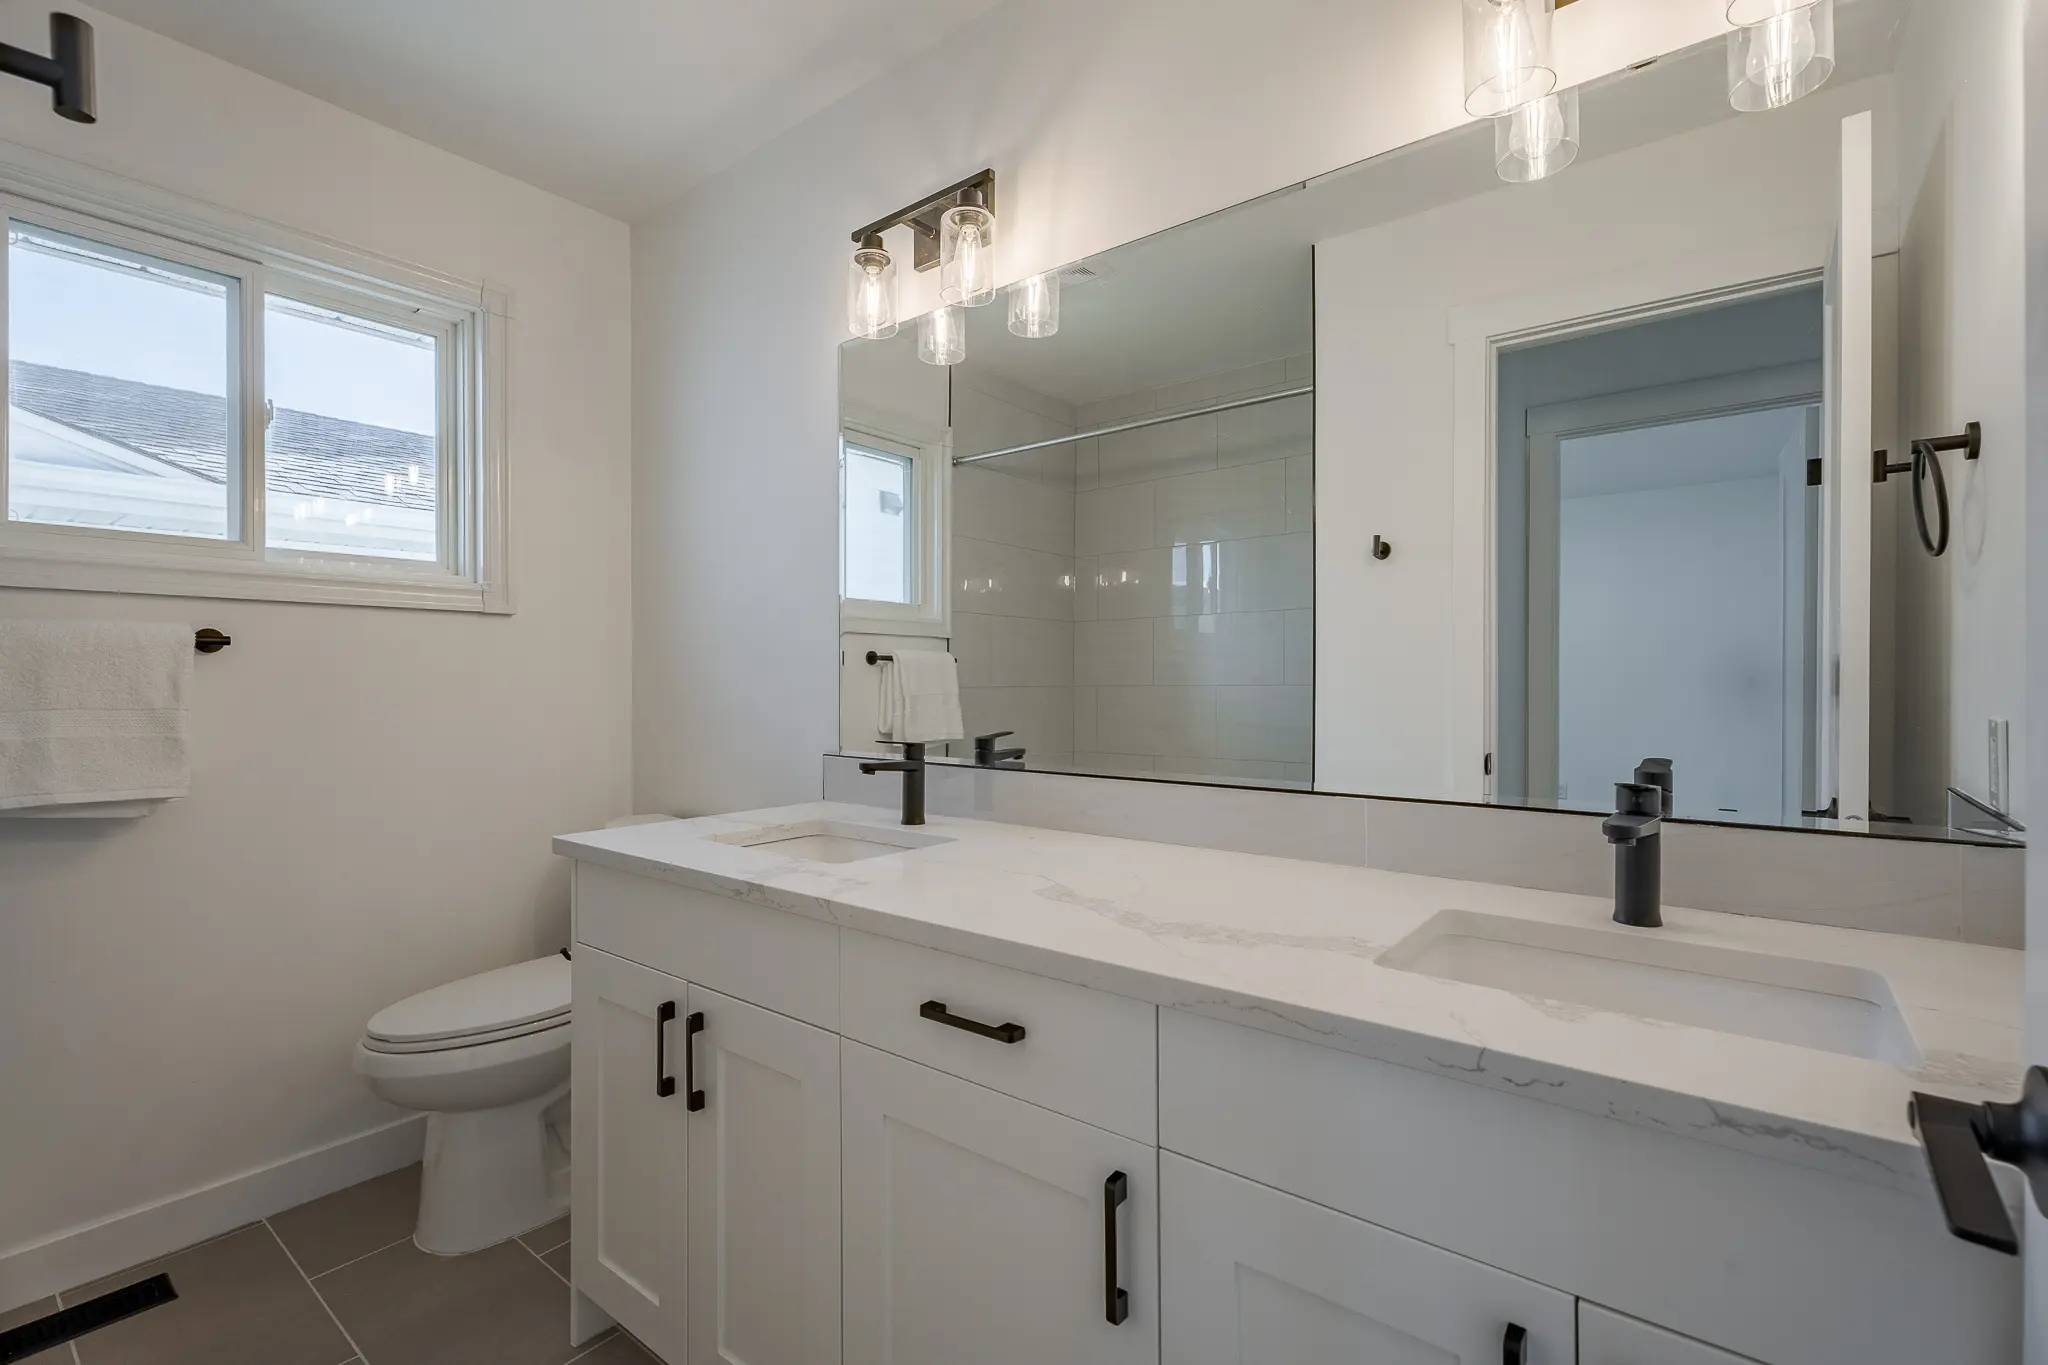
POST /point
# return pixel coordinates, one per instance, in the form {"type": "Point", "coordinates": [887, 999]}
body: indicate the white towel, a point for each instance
{"type": "Point", "coordinates": [920, 698]}
{"type": "Point", "coordinates": [93, 713]}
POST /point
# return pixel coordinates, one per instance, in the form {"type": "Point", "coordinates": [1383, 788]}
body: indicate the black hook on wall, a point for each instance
{"type": "Point", "coordinates": [67, 70]}
{"type": "Point", "coordinates": [1925, 467]}
{"type": "Point", "coordinates": [1382, 549]}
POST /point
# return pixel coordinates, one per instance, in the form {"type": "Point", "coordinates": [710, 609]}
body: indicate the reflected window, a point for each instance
{"type": "Point", "coordinates": [878, 532]}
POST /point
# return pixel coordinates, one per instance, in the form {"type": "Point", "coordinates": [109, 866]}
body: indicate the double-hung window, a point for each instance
{"type": "Point", "coordinates": [205, 412]}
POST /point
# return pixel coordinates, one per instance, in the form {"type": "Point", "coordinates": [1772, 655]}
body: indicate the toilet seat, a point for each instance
{"type": "Point", "coordinates": [511, 1002]}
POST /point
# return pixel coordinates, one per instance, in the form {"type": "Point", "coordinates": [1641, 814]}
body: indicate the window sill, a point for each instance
{"type": "Point", "coordinates": [248, 581]}
{"type": "Point", "coordinates": [854, 623]}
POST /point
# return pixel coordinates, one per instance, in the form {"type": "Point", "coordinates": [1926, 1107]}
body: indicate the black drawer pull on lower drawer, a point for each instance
{"type": "Point", "coordinates": [936, 1011]}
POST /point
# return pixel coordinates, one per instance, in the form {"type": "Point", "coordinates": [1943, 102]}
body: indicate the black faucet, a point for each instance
{"type": "Point", "coordinates": [911, 765]}
{"type": "Point", "coordinates": [1636, 829]}
{"type": "Point", "coordinates": [987, 755]}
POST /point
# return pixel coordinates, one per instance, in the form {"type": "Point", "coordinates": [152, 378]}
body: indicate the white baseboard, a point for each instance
{"type": "Point", "coordinates": [77, 1255]}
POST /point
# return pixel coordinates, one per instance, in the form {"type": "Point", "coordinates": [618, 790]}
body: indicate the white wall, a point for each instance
{"type": "Point", "coordinates": [1104, 121]}
{"type": "Point", "coordinates": [1385, 415]}
{"type": "Point", "coordinates": [374, 790]}
{"type": "Point", "coordinates": [1963, 350]}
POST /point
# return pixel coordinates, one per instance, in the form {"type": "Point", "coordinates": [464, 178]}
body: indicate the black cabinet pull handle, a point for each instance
{"type": "Point", "coordinates": [936, 1011]}
{"type": "Point", "coordinates": [664, 1084]}
{"type": "Point", "coordinates": [1116, 1301]}
{"type": "Point", "coordinates": [1514, 1345]}
{"type": "Point", "coordinates": [691, 1028]}
{"type": "Point", "coordinates": [1970, 1202]}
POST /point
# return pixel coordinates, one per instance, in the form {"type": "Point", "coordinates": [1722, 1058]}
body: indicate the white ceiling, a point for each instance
{"type": "Point", "coordinates": [619, 104]}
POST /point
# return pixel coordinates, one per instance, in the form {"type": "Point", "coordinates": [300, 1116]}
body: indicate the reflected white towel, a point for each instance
{"type": "Point", "coordinates": [920, 698]}
{"type": "Point", "coordinates": [93, 713]}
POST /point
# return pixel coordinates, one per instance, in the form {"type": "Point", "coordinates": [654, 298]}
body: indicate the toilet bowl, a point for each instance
{"type": "Point", "coordinates": [484, 1057]}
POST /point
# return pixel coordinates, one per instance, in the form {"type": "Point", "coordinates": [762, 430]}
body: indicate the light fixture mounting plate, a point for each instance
{"type": "Point", "coordinates": [922, 218]}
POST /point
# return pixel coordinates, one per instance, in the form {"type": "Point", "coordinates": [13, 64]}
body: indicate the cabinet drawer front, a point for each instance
{"type": "Point", "coordinates": [1607, 1338]}
{"type": "Point", "coordinates": [779, 960]}
{"type": "Point", "coordinates": [975, 1226]}
{"type": "Point", "coordinates": [1082, 1052]}
{"type": "Point", "coordinates": [1687, 1234]}
{"type": "Point", "coordinates": [1251, 1274]}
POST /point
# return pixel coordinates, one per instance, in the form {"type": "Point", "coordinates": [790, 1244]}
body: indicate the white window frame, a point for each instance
{"type": "Point", "coordinates": [468, 320]}
{"type": "Point", "coordinates": [930, 612]}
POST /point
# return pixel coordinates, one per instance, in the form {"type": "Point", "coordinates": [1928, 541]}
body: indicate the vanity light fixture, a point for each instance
{"type": "Point", "coordinates": [1507, 54]}
{"type": "Point", "coordinates": [871, 290]}
{"type": "Point", "coordinates": [1780, 51]}
{"type": "Point", "coordinates": [942, 336]}
{"type": "Point", "coordinates": [967, 251]}
{"type": "Point", "coordinates": [1538, 139]}
{"type": "Point", "coordinates": [1035, 305]}
{"type": "Point", "coordinates": [963, 215]}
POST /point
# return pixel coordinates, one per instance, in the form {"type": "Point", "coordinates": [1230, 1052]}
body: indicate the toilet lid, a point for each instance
{"type": "Point", "coordinates": [489, 1003]}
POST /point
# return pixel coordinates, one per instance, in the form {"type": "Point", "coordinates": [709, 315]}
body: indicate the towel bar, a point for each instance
{"type": "Point", "coordinates": [207, 640]}
{"type": "Point", "coordinates": [874, 658]}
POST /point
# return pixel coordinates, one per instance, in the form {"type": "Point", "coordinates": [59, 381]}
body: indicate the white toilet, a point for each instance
{"type": "Point", "coordinates": [485, 1057]}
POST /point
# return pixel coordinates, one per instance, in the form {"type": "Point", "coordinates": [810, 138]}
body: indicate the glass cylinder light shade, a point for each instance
{"type": "Point", "coordinates": [1539, 139]}
{"type": "Point", "coordinates": [1784, 49]}
{"type": "Point", "coordinates": [942, 337]}
{"type": "Point", "coordinates": [967, 254]}
{"type": "Point", "coordinates": [871, 292]}
{"type": "Point", "coordinates": [1507, 54]}
{"type": "Point", "coordinates": [1035, 305]}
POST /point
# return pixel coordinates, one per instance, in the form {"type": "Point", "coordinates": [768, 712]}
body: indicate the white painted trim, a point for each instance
{"type": "Point", "coordinates": [92, 1250]}
{"type": "Point", "coordinates": [1849, 474]}
{"type": "Point", "coordinates": [1477, 333]}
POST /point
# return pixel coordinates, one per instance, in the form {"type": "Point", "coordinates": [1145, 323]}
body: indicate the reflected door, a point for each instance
{"type": "Point", "coordinates": [1672, 599]}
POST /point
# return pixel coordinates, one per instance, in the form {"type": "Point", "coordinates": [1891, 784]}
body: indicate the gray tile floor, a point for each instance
{"type": "Point", "coordinates": [339, 1282]}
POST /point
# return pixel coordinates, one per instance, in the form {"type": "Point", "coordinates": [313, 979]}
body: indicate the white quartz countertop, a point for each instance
{"type": "Point", "coordinates": [1294, 948]}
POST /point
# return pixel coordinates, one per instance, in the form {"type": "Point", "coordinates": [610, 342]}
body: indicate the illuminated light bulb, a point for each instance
{"type": "Point", "coordinates": [1538, 139]}
{"type": "Point", "coordinates": [1780, 51]}
{"type": "Point", "coordinates": [1507, 54]}
{"type": "Point", "coordinates": [1782, 48]}
{"type": "Point", "coordinates": [967, 240]}
{"type": "Point", "coordinates": [871, 291]}
{"type": "Point", "coordinates": [942, 337]}
{"type": "Point", "coordinates": [1035, 306]}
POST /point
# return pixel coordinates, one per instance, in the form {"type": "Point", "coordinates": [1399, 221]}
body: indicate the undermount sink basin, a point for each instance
{"type": "Point", "coordinates": [829, 841]}
{"type": "Point", "coordinates": [1783, 999]}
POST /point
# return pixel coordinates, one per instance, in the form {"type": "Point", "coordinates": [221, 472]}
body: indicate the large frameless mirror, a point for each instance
{"type": "Point", "coordinates": [1411, 482]}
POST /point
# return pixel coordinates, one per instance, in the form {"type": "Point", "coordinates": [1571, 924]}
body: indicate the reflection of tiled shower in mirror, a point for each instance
{"type": "Point", "coordinates": [1140, 601]}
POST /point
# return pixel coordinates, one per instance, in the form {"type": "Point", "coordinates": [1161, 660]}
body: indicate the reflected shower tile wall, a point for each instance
{"type": "Point", "coordinates": [1194, 583]}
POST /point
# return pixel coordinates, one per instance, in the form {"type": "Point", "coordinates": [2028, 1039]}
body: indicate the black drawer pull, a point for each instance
{"type": "Point", "coordinates": [936, 1011]}
{"type": "Point", "coordinates": [664, 1084]}
{"type": "Point", "coordinates": [1514, 1345]}
{"type": "Point", "coordinates": [1116, 1301]}
{"type": "Point", "coordinates": [693, 1027]}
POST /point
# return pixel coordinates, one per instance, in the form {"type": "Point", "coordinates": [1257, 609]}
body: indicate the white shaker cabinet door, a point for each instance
{"type": "Point", "coordinates": [764, 1186]}
{"type": "Point", "coordinates": [983, 1229]}
{"type": "Point", "coordinates": [629, 1181]}
{"type": "Point", "coordinates": [1251, 1276]}
{"type": "Point", "coordinates": [1608, 1338]}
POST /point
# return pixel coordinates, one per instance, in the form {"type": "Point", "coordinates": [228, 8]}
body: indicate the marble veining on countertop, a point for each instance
{"type": "Point", "coordinates": [1293, 948]}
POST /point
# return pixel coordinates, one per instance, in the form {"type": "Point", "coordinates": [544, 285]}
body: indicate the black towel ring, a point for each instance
{"type": "Point", "coordinates": [1925, 467]}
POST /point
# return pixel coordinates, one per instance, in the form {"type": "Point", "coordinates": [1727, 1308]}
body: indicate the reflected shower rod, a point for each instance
{"type": "Point", "coordinates": [1156, 421]}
